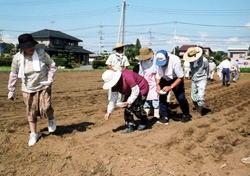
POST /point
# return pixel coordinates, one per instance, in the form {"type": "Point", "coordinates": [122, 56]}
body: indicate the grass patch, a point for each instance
{"type": "Point", "coordinates": [245, 70]}
{"type": "Point", "coordinates": [4, 69]}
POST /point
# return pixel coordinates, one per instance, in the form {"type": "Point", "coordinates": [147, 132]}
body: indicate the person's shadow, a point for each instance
{"type": "Point", "coordinates": [151, 122]}
{"type": "Point", "coordinates": [68, 129]}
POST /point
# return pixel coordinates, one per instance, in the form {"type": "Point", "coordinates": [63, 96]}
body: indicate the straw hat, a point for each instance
{"type": "Point", "coordinates": [145, 54]}
{"type": "Point", "coordinates": [118, 45]}
{"type": "Point", "coordinates": [192, 54]}
{"type": "Point", "coordinates": [110, 78]}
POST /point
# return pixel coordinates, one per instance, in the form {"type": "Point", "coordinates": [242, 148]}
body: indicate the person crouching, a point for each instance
{"type": "Point", "coordinates": [135, 89]}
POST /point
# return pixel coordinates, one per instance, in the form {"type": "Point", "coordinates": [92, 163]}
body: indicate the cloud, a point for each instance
{"type": "Point", "coordinates": [203, 35]}
{"type": "Point", "coordinates": [247, 25]}
{"type": "Point", "coordinates": [9, 39]}
{"type": "Point", "coordinates": [232, 40]}
{"type": "Point", "coordinates": [182, 40]}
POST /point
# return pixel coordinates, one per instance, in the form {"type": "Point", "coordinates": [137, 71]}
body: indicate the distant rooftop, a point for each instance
{"type": "Point", "coordinates": [47, 33]}
{"type": "Point", "coordinates": [239, 48]}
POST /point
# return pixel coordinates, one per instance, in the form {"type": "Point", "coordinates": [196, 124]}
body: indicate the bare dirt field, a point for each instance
{"type": "Point", "coordinates": [85, 144]}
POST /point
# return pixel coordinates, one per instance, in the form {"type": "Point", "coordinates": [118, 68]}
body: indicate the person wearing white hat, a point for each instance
{"type": "Point", "coordinates": [135, 89]}
{"type": "Point", "coordinates": [199, 75]}
{"type": "Point", "coordinates": [169, 77]}
{"type": "Point", "coordinates": [117, 60]}
{"type": "Point", "coordinates": [147, 69]}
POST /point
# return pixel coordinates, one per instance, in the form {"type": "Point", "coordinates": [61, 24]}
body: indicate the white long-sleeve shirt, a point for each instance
{"type": "Point", "coordinates": [114, 97]}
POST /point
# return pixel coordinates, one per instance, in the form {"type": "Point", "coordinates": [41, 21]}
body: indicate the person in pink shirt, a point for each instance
{"type": "Point", "coordinates": [147, 69]}
{"type": "Point", "coordinates": [135, 89]}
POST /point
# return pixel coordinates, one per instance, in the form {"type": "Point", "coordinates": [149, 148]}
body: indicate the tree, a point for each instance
{"type": "Point", "coordinates": [218, 56]}
{"type": "Point", "coordinates": [176, 51]}
{"type": "Point", "coordinates": [9, 48]}
{"type": "Point", "coordinates": [132, 50]}
{"type": "Point", "coordinates": [138, 44]}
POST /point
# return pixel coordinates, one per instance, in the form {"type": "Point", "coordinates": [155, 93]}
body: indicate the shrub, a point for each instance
{"type": "Point", "coordinates": [99, 64]}
{"type": "Point", "coordinates": [245, 70]}
{"type": "Point", "coordinates": [60, 61]}
{"type": "Point", "coordinates": [5, 60]}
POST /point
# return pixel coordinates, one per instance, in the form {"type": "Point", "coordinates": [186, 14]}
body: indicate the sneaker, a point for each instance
{"type": "Point", "coordinates": [186, 118]}
{"type": "Point", "coordinates": [33, 138]}
{"type": "Point", "coordinates": [52, 126]}
{"type": "Point", "coordinates": [163, 120]}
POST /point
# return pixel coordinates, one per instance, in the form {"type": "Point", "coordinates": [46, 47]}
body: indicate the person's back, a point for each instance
{"type": "Point", "coordinates": [130, 79]}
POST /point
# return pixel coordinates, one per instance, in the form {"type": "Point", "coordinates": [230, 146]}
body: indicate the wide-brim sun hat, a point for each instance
{"type": "Point", "coordinates": [161, 58]}
{"type": "Point", "coordinates": [26, 41]}
{"type": "Point", "coordinates": [192, 54]}
{"type": "Point", "coordinates": [118, 45]}
{"type": "Point", "coordinates": [110, 78]}
{"type": "Point", "coordinates": [145, 54]}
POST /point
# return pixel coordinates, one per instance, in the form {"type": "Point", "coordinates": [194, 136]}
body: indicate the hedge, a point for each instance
{"type": "Point", "coordinates": [5, 60]}
{"type": "Point", "coordinates": [98, 64]}
{"type": "Point", "coordinates": [245, 70]}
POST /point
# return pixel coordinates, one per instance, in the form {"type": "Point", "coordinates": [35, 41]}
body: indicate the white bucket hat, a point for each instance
{"type": "Point", "coordinates": [118, 45]}
{"type": "Point", "coordinates": [192, 54]}
{"type": "Point", "coordinates": [110, 78]}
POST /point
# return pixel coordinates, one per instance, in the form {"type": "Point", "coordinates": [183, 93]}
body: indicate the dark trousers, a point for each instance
{"type": "Point", "coordinates": [179, 93]}
{"type": "Point", "coordinates": [137, 109]}
{"type": "Point", "coordinates": [225, 76]}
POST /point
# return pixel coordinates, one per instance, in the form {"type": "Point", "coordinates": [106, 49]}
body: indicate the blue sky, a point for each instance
{"type": "Point", "coordinates": [160, 24]}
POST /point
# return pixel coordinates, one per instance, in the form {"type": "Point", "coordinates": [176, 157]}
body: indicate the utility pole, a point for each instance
{"type": "Point", "coordinates": [121, 31]}
{"type": "Point", "coordinates": [100, 40]}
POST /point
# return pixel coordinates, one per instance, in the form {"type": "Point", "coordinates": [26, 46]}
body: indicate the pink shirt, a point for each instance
{"type": "Point", "coordinates": [150, 75]}
{"type": "Point", "coordinates": [130, 79]}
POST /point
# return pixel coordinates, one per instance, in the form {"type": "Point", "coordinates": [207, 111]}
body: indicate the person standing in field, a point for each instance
{"type": "Point", "coordinates": [225, 67]}
{"type": "Point", "coordinates": [199, 75]}
{"type": "Point", "coordinates": [36, 70]}
{"type": "Point", "coordinates": [212, 67]}
{"type": "Point", "coordinates": [235, 70]}
{"type": "Point", "coordinates": [117, 61]}
{"type": "Point", "coordinates": [147, 69]}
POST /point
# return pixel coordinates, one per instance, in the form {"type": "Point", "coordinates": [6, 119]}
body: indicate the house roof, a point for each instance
{"type": "Point", "coordinates": [78, 49]}
{"type": "Point", "coordinates": [47, 33]}
{"type": "Point", "coordinates": [184, 48]}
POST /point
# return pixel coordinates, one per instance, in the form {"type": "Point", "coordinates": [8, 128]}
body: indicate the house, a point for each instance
{"type": "Point", "coordinates": [57, 42]}
{"type": "Point", "coordinates": [207, 50]}
{"type": "Point", "coordinates": [240, 54]}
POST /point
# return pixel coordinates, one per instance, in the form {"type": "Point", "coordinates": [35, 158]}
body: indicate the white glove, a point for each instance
{"type": "Point", "coordinates": [46, 83]}
{"type": "Point", "coordinates": [11, 95]}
